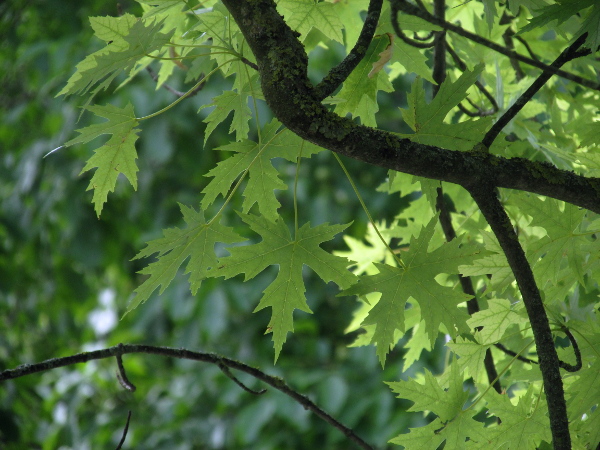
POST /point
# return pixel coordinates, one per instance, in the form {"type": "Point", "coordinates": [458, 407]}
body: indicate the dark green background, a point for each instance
{"type": "Point", "coordinates": [57, 259]}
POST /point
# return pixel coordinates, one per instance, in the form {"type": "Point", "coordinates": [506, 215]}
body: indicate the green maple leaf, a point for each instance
{"type": "Point", "coordinates": [286, 292]}
{"type": "Point", "coordinates": [563, 10]}
{"type": "Point", "coordinates": [495, 320]}
{"type": "Point", "coordinates": [562, 239]}
{"type": "Point", "coordinates": [439, 304]}
{"type": "Point", "coordinates": [195, 242]}
{"type": "Point", "coordinates": [427, 120]}
{"type": "Point", "coordinates": [118, 155]}
{"type": "Point", "coordinates": [224, 104]}
{"type": "Point", "coordinates": [523, 426]}
{"type": "Point", "coordinates": [256, 158]}
{"type": "Point", "coordinates": [495, 265]}
{"type": "Point", "coordinates": [585, 393]}
{"type": "Point", "coordinates": [453, 425]}
{"type": "Point", "coordinates": [104, 65]}
{"type": "Point", "coordinates": [359, 91]}
{"type": "Point", "coordinates": [304, 15]}
{"type": "Point", "coordinates": [471, 355]}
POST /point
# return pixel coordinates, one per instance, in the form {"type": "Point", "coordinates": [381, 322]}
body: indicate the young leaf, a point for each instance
{"type": "Point", "coordinates": [118, 155]}
{"type": "Point", "coordinates": [427, 120]}
{"type": "Point", "coordinates": [195, 242]}
{"type": "Point", "coordinates": [286, 292]}
{"type": "Point", "coordinates": [397, 284]}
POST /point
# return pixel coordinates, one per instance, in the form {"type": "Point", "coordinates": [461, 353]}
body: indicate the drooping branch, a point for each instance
{"type": "Point", "coordinates": [282, 63]}
{"type": "Point", "coordinates": [425, 15]}
{"type": "Point", "coordinates": [485, 196]}
{"type": "Point", "coordinates": [568, 54]}
{"type": "Point", "coordinates": [211, 358]}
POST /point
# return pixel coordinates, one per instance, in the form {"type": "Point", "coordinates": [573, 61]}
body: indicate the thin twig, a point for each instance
{"type": "Point", "coordinates": [507, 36]}
{"type": "Point", "coordinates": [567, 55]}
{"type": "Point", "coordinates": [462, 66]}
{"type": "Point", "coordinates": [339, 73]}
{"type": "Point", "coordinates": [227, 372]}
{"type": "Point", "coordinates": [122, 441]}
{"type": "Point", "coordinates": [121, 375]}
{"type": "Point", "coordinates": [499, 346]}
{"type": "Point", "coordinates": [404, 37]}
{"type": "Point", "coordinates": [578, 364]}
{"type": "Point", "coordinates": [211, 358]}
{"type": "Point", "coordinates": [171, 89]}
{"type": "Point", "coordinates": [413, 10]}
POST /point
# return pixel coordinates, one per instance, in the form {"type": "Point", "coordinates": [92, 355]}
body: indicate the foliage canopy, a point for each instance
{"type": "Point", "coordinates": [494, 242]}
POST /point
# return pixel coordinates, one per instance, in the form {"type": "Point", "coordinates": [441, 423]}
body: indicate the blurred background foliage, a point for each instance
{"type": "Point", "coordinates": [66, 277]}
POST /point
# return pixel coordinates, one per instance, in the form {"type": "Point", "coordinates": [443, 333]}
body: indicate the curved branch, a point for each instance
{"type": "Point", "coordinates": [491, 208]}
{"type": "Point", "coordinates": [418, 43]}
{"type": "Point", "coordinates": [578, 362]}
{"type": "Point", "coordinates": [282, 64]}
{"type": "Point", "coordinates": [425, 15]}
{"type": "Point", "coordinates": [220, 361]}
{"type": "Point", "coordinates": [339, 73]}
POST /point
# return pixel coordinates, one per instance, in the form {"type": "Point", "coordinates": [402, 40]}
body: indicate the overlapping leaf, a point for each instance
{"type": "Point", "coordinates": [195, 242]}
{"type": "Point", "coordinates": [304, 15]}
{"type": "Point", "coordinates": [359, 91]}
{"type": "Point", "coordinates": [427, 120]}
{"type": "Point", "coordinates": [453, 425]}
{"type": "Point", "coordinates": [439, 304]}
{"type": "Point", "coordinates": [286, 292]}
{"type": "Point", "coordinates": [523, 426]}
{"type": "Point", "coordinates": [103, 66]}
{"type": "Point", "coordinates": [256, 158]}
{"type": "Point", "coordinates": [563, 238]}
{"type": "Point", "coordinates": [495, 320]}
{"type": "Point", "coordinates": [117, 156]}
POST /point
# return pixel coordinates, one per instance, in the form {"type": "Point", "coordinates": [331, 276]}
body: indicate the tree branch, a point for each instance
{"type": "Point", "coordinates": [567, 55]}
{"type": "Point", "coordinates": [425, 15]}
{"type": "Point", "coordinates": [282, 64]}
{"type": "Point", "coordinates": [485, 196]}
{"type": "Point", "coordinates": [211, 358]}
{"type": "Point", "coordinates": [339, 73]}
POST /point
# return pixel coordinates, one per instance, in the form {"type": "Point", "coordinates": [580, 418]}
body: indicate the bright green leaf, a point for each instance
{"type": "Point", "coordinates": [286, 292]}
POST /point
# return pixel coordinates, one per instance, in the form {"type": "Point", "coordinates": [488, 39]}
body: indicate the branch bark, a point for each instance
{"type": "Point", "coordinates": [485, 196]}
{"type": "Point", "coordinates": [282, 64]}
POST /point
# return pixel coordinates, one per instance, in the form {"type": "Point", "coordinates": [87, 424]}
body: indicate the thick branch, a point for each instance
{"type": "Point", "coordinates": [211, 358]}
{"type": "Point", "coordinates": [282, 64]}
{"type": "Point", "coordinates": [485, 197]}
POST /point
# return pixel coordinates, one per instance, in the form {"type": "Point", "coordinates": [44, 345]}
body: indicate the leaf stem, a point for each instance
{"type": "Point", "coordinates": [188, 93]}
{"type": "Point", "coordinates": [364, 206]}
